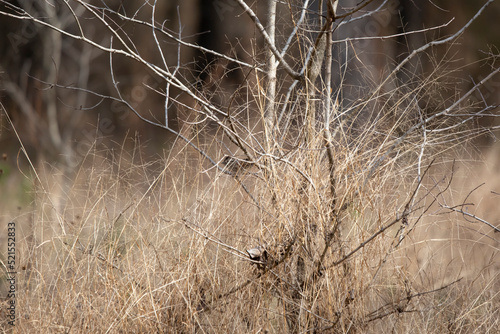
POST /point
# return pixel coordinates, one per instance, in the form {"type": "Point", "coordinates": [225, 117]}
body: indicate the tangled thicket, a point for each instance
{"type": "Point", "coordinates": [286, 204]}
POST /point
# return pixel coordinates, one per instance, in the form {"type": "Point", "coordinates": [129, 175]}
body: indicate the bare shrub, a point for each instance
{"type": "Point", "coordinates": [304, 198]}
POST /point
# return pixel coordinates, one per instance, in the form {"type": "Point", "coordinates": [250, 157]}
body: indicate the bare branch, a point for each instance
{"type": "Point", "coordinates": [269, 41]}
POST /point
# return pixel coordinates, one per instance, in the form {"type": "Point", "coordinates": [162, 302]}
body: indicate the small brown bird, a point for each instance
{"type": "Point", "coordinates": [235, 165]}
{"type": "Point", "coordinates": [259, 255]}
{"type": "Point", "coordinates": [256, 253]}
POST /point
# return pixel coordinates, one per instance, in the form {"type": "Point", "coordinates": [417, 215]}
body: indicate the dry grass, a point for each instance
{"type": "Point", "coordinates": [133, 244]}
{"type": "Point", "coordinates": [132, 247]}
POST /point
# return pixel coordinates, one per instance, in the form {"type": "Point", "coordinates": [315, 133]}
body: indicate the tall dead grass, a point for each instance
{"type": "Point", "coordinates": [381, 239]}
{"type": "Point", "coordinates": [128, 246]}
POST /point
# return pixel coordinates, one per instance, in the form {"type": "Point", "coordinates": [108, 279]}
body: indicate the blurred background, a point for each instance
{"type": "Point", "coordinates": [58, 125]}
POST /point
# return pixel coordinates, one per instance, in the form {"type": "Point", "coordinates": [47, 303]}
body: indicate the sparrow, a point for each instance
{"type": "Point", "coordinates": [236, 165]}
